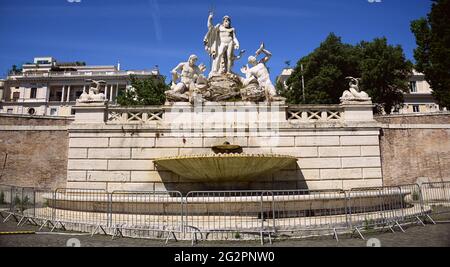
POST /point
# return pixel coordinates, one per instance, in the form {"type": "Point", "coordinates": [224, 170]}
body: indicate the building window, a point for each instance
{"type": "Point", "coordinates": [55, 95]}
{"type": "Point", "coordinates": [9, 111]}
{"type": "Point", "coordinates": [416, 108]}
{"type": "Point", "coordinates": [16, 96]}
{"type": "Point", "coordinates": [53, 111]}
{"type": "Point", "coordinates": [72, 111]}
{"type": "Point", "coordinates": [31, 111]}
{"type": "Point", "coordinates": [413, 87]}
{"type": "Point", "coordinates": [33, 93]}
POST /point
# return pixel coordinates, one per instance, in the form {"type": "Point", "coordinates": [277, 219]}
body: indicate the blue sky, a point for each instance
{"type": "Point", "coordinates": [145, 33]}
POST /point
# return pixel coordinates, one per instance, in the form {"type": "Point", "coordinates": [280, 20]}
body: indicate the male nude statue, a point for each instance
{"type": "Point", "coordinates": [220, 43]}
{"type": "Point", "coordinates": [259, 71]}
{"type": "Point", "coordinates": [190, 72]}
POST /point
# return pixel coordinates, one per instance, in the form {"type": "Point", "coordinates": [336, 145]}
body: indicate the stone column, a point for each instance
{"type": "Point", "coordinates": [111, 92]}
{"type": "Point", "coordinates": [63, 93]}
{"type": "Point", "coordinates": [68, 93]}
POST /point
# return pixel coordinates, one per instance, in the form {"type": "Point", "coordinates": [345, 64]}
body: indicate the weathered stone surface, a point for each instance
{"type": "Point", "coordinates": [372, 173]}
{"type": "Point", "coordinates": [319, 163]}
{"type": "Point", "coordinates": [179, 142]}
{"type": "Point", "coordinates": [370, 151]}
{"type": "Point", "coordinates": [273, 141]}
{"type": "Point", "coordinates": [359, 140]}
{"type": "Point", "coordinates": [132, 142]}
{"type": "Point", "coordinates": [341, 174]}
{"type": "Point", "coordinates": [109, 153]}
{"type": "Point", "coordinates": [350, 151]}
{"type": "Point", "coordinates": [108, 176]}
{"type": "Point", "coordinates": [409, 154]}
{"type": "Point", "coordinates": [153, 153]}
{"type": "Point", "coordinates": [88, 142]}
{"type": "Point", "coordinates": [299, 152]}
{"type": "Point", "coordinates": [361, 162]}
{"type": "Point", "coordinates": [78, 153]}
{"type": "Point", "coordinates": [76, 176]}
{"type": "Point", "coordinates": [81, 164]}
{"type": "Point", "coordinates": [33, 158]}
{"type": "Point", "coordinates": [253, 92]}
{"type": "Point", "coordinates": [316, 140]}
{"type": "Point", "coordinates": [6, 119]}
{"type": "Point", "coordinates": [222, 88]}
{"type": "Point", "coordinates": [415, 119]}
{"type": "Point", "coordinates": [138, 165]}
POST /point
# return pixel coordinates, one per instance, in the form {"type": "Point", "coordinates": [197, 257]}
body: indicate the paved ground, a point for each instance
{"type": "Point", "coordinates": [415, 236]}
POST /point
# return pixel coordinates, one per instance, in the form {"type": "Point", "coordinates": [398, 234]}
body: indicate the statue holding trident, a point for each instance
{"type": "Point", "coordinates": [220, 43]}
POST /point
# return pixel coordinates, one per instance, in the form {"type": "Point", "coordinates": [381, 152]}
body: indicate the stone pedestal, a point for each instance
{"type": "Point", "coordinates": [356, 111]}
{"type": "Point", "coordinates": [91, 112]}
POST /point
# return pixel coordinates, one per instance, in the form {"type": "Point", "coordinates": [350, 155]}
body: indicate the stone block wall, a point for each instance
{"type": "Point", "coordinates": [33, 157]}
{"type": "Point", "coordinates": [415, 148]}
{"type": "Point", "coordinates": [121, 158]}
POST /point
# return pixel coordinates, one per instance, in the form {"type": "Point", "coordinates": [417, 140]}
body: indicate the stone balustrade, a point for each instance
{"type": "Point", "coordinates": [134, 115]}
{"type": "Point", "coordinates": [315, 113]}
{"type": "Point", "coordinates": [225, 113]}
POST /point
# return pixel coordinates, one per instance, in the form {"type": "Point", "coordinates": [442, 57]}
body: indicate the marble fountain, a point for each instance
{"type": "Point", "coordinates": [116, 153]}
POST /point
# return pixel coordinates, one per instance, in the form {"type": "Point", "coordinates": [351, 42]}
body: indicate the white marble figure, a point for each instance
{"type": "Point", "coordinates": [94, 94]}
{"type": "Point", "coordinates": [220, 43]}
{"type": "Point", "coordinates": [258, 71]}
{"type": "Point", "coordinates": [353, 93]}
{"type": "Point", "coordinates": [189, 75]}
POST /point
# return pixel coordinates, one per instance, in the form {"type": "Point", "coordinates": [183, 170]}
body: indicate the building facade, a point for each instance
{"type": "Point", "coordinates": [419, 99]}
{"type": "Point", "coordinates": [51, 88]}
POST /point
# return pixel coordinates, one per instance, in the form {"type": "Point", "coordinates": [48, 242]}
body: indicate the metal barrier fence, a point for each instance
{"type": "Point", "coordinates": [371, 208]}
{"type": "Point", "coordinates": [309, 211]}
{"type": "Point", "coordinates": [438, 196]}
{"type": "Point", "coordinates": [146, 214]}
{"type": "Point", "coordinates": [226, 214]}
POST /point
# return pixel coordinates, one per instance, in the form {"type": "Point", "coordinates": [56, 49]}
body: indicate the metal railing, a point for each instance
{"type": "Point", "coordinates": [438, 196]}
{"type": "Point", "coordinates": [226, 214]}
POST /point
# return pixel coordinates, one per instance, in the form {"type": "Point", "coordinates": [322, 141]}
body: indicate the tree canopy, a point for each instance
{"type": "Point", "coordinates": [383, 68]}
{"type": "Point", "coordinates": [433, 50]}
{"type": "Point", "coordinates": [144, 92]}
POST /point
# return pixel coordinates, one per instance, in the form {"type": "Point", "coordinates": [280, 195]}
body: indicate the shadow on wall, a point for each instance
{"type": "Point", "coordinates": [283, 180]}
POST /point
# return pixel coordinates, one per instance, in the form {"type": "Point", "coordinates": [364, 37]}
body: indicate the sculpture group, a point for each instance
{"type": "Point", "coordinates": [94, 94]}
{"type": "Point", "coordinates": [221, 84]}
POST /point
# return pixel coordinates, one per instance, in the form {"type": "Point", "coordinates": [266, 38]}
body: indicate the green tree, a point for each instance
{"type": "Point", "coordinates": [145, 92]}
{"type": "Point", "coordinates": [384, 73]}
{"type": "Point", "coordinates": [325, 70]}
{"type": "Point", "coordinates": [383, 68]}
{"type": "Point", "coordinates": [433, 49]}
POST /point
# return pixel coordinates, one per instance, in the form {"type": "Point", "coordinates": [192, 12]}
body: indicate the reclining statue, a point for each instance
{"type": "Point", "coordinates": [354, 93]}
{"type": "Point", "coordinates": [94, 94]}
{"type": "Point", "coordinates": [186, 77]}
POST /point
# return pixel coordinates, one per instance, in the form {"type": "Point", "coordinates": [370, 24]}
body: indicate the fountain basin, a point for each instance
{"type": "Point", "coordinates": [225, 167]}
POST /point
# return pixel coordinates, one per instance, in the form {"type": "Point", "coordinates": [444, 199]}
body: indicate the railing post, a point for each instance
{"type": "Point", "coordinates": [348, 212]}
{"type": "Point", "coordinates": [54, 206]}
